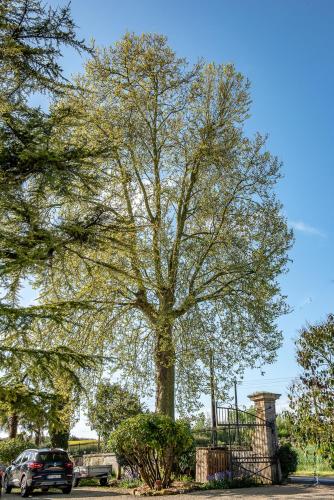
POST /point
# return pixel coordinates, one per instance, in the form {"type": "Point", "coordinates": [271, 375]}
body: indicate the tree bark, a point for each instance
{"type": "Point", "coordinates": [38, 434]}
{"type": "Point", "coordinates": [59, 438]}
{"type": "Point", "coordinates": [165, 371]}
{"type": "Point", "coordinates": [13, 422]}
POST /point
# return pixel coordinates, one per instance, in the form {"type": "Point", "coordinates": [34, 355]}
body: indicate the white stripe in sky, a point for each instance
{"type": "Point", "coordinates": [305, 228]}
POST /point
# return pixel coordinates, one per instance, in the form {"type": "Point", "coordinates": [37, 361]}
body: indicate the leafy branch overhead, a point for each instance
{"type": "Point", "coordinates": [188, 226]}
{"type": "Point", "coordinates": [36, 173]}
{"type": "Point", "coordinates": [138, 208]}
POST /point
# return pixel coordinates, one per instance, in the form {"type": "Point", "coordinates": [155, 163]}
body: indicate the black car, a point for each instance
{"type": "Point", "coordinates": [43, 468]}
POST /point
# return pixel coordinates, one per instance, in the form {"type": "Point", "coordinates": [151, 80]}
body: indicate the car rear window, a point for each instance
{"type": "Point", "coordinates": [52, 456]}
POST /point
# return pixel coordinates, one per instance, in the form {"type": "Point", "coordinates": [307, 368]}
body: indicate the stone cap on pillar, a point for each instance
{"type": "Point", "coordinates": [263, 396]}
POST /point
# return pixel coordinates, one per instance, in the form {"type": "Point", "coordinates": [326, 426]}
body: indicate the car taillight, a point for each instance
{"type": "Point", "coordinates": [69, 465]}
{"type": "Point", "coordinates": [35, 465]}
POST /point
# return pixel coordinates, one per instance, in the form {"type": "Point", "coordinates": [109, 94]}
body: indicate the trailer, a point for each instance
{"type": "Point", "coordinates": [100, 472]}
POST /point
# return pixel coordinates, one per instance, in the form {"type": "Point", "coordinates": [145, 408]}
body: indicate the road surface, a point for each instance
{"type": "Point", "coordinates": [292, 491]}
{"type": "Point", "coordinates": [327, 481]}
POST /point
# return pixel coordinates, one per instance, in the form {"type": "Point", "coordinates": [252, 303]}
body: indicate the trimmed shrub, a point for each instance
{"type": "Point", "coordinates": [288, 458]}
{"type": "Point", "coordinates": [11, 448]}
{"type": "Point", "coordinates": [152, 443]}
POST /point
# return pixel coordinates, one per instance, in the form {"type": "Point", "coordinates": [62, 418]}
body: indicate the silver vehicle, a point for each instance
{"type": "Point", "coordinates": [100, 472]}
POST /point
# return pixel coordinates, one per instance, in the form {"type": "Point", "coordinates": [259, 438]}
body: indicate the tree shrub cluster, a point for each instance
{"type": "Point", "coordinates": [152, 443]}
{"type": "Point", "coordinates": [311, 415]}
{"type": "Point", "coordinates": [137, 196]}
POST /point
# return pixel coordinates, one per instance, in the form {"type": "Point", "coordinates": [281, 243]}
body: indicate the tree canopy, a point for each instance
{"type": "Point", "coordinates": [179, 246]}
{"type": "Point", "coordinates": [111, 405]}
{"type": "Point", "coordinates": [312, 395]}
{"type": "Point", "coordinates": [37, 173]}
{"type": "Point", "coordinates": [36, 170]}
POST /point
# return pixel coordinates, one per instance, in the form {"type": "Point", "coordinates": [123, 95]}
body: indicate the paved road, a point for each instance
{"type": "Point", "coordinates": [296, 491]}
{"type": "Point", "coordinates": [327, 481]}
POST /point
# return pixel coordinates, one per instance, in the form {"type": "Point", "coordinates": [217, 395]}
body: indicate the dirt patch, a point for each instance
{"type": "Point", "coordinates": [177, 488]}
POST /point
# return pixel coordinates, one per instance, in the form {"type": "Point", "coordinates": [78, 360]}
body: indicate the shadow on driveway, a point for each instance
{"type": "Point", "coordinates": [83, 492]}
{"type": "Point", "coordinates": [299, 492]}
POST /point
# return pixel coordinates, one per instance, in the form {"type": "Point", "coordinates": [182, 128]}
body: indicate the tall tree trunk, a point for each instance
{"type": "Point", "coordinates": [38, 434]}
{"type": "Point", "coordinates": [59, 438]}
{"type": "Point", "coordinates": [13, 423]}
{"type": "Point", "coordinates": [165, 371]}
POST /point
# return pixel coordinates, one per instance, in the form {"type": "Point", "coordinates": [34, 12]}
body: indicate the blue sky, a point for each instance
{"type": "Point", "coordinates": [285, 48]}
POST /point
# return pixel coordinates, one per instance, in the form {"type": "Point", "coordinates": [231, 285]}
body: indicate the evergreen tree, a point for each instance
{"type": "Point", "coordinates": [37, 172]}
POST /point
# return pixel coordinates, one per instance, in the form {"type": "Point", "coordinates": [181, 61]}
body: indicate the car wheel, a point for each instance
{"type": "Point", "coordinates": [25, 489]}
{"type": "Point", "coordinates": [7, 487]}
{"type": "Point", "coordinates": [103, 481]}
{"type": "Point", "coordinates": [67, 490]}
{"type": "Point", "coordinates": [75, 482]}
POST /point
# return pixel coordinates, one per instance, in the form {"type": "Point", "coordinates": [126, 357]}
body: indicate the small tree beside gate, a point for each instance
{"type": "Point", "coordinates": [152, 443]}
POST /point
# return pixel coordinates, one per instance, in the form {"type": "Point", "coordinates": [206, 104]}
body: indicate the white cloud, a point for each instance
{"type": "Point", "coordinates": [305, 228]}
{"type": "Point", "coordinates": [305, 302]}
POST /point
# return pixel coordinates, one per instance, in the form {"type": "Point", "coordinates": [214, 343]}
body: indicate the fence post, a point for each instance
{"type": "Point", "coordinates": [266, 442]}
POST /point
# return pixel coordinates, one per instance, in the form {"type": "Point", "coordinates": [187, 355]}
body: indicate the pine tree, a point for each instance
{"type": "Point", "coordinates": [37, 173]}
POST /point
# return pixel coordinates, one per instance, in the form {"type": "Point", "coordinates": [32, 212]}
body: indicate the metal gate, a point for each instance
{"type": "Point", "coordinates": [251, 443]}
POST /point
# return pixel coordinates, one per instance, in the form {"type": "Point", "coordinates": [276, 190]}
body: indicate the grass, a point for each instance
{"type": "Point", "coordinates": [89, 482]}
{"type": "Point", "coordinates": [308, 472]}
{"type": "Point", "coordinates": [129, 483]}
{"type": "Point", "coordinates": [82, 442]}
{"type": "Point", "coordinates": [309, 462]}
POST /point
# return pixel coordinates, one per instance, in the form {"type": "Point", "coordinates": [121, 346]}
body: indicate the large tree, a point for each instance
{"type": "Point", "coordinates": [36, 171]}
{"type": "Point", "coordinates": [312, 395]}
{"type": "Point", "coordinates": [188, 234]}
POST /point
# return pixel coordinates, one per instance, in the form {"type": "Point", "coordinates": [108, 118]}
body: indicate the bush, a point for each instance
{"type": "Point", "coordinates": [151, 443]}
{"type": "Point", "coordinates": [11, 448]}
{"type": "Point", "coordinates": [223, 480]}
{"type": "Point", "coordinates": [288, 458]}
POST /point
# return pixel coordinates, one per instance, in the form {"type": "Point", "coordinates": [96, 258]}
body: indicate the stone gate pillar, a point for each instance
{"type": "Point", "coordinates": [265, 439]}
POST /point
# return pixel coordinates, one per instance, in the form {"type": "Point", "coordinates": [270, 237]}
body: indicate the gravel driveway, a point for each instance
{"type": "Point", "coordinates": [297, 491]}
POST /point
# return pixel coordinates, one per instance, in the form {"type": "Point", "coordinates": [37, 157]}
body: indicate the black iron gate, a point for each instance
{"type": "Point", "coordinates": [250, 441]}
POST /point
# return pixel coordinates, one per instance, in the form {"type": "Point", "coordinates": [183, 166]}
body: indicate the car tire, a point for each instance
{"type": "Point", "coordinates": [75, 482]}
{"type": "Point", "coordinates": [25, 489]}
{"type": "Point", "coordinates": [67, 490]}
{"type": "Point", "coordinates": [6, 486]}
{"type": "Point", "coordinates": [103, 481]}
